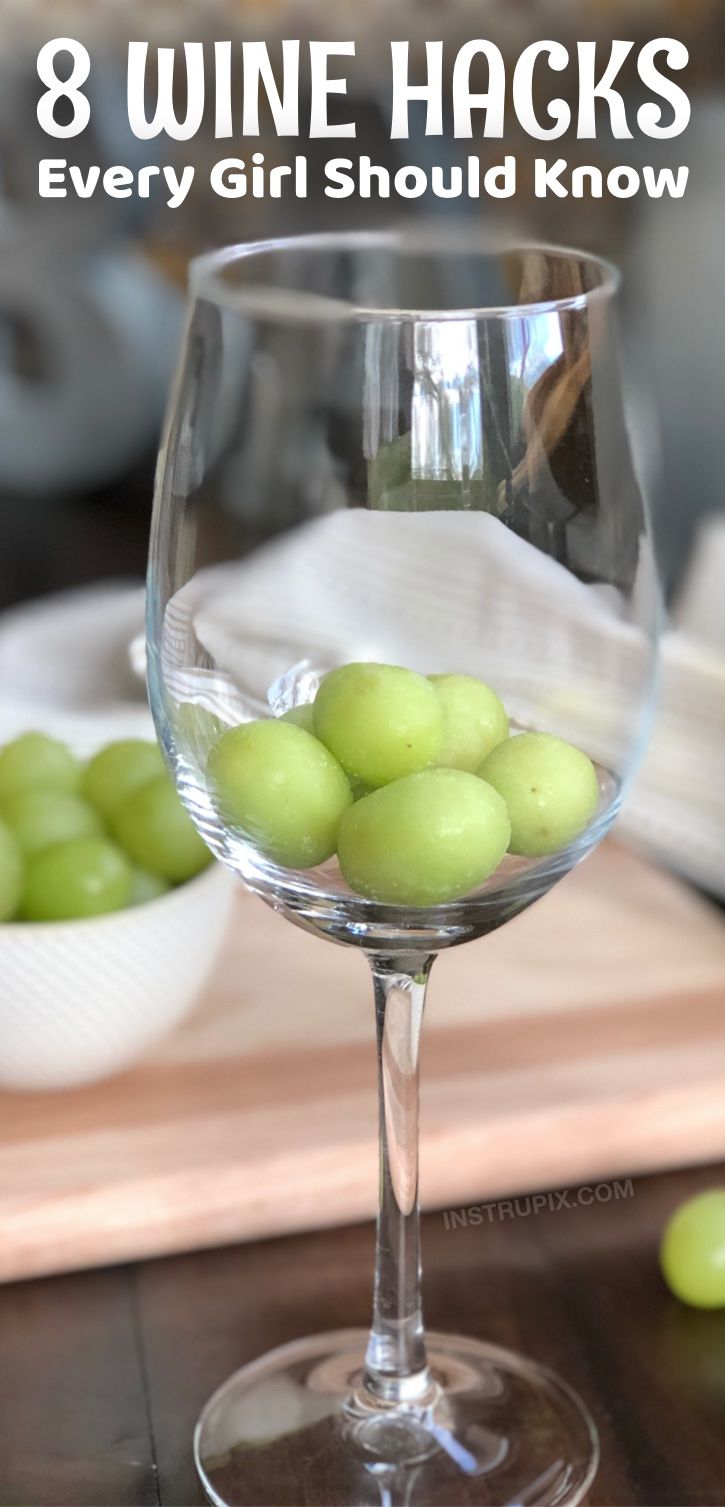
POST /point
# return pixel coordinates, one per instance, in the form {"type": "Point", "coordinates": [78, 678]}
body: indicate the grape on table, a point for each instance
{"type": "Point", "coordinates": [692, 1252]}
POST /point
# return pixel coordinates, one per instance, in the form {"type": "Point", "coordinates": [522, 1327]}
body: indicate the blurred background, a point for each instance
{"type": "Point", "coordinates": [91, 306]}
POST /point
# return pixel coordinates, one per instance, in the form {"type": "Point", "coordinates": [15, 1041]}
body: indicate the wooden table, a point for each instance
{"type": "Point", "coordinates": [102, 1373]}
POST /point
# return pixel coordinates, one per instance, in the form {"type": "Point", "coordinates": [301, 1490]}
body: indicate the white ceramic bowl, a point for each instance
{"type": "Point", "coordinates": [81, 1000]}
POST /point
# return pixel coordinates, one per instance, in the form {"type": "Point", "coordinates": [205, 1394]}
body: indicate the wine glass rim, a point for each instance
{"type": "Point", "coordinates": [206, 273]}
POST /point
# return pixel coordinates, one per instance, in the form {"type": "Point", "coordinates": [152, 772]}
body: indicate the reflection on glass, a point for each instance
{"type": "Point", "coordinates": [446, 440]}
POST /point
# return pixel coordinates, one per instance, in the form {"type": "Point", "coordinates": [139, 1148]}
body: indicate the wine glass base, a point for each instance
{"type": "Point", "coordinates": [295, 1427]}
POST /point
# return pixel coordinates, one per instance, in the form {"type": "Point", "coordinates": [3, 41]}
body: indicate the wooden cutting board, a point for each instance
{"type": "Point", "coordinates": [585, 1040]}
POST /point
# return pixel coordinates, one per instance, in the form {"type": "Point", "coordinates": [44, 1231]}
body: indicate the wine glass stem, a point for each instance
{"type": "Point", "coordinates": [395, 1363]}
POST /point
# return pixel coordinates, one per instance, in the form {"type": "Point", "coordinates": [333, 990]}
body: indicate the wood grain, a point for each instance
{"type": "Point", "coordinates": [102, 1374]}
{"type": "Point", "coordinates": [74, 1418]}
{"type": "Point", "coordinates": [584, 1040]}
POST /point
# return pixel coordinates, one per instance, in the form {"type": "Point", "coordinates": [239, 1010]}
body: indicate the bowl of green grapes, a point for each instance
{"type": "Point", "coordinates": [111, 910]}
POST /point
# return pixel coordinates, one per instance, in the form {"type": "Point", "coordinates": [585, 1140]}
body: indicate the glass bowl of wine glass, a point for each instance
{"type": "Point", "coordinates": [402, 617]}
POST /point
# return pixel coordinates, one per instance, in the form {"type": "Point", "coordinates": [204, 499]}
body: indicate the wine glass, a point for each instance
{"type": "Point", "coordinates": [396, 450]}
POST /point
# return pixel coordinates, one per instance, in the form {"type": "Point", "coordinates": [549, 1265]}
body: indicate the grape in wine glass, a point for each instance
{"type": "Point", "coordinates": [401, 624]}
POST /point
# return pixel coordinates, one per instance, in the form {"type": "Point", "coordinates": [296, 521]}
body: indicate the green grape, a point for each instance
{"type": "Point", "coordinates": [380, 722]}
{"type": "Point", "coordinates": [75, 880]}
{"type": "Point", "coordinates": [283, 788]}
{"type": "Point", "coordinates": [41, 817]}
{"type": "Point", "coordinates": [146, 886]}
{"type": "Point", "coordinates": [692, 1252]}
{"type": "Point", "coordinates": [118, 769]}
{"type": "Point", "coordinates": [550, 788]}
{"type": "Point", "coordinates": [301, 716]}
{"type": "Point", "coordinates": [158, 834]}
{"type": "Point", "coordinates": [12, 873]}
{"type": "Point", "coordinates": [425, 839]}
{"type": "Point", "coordinates": [34, 759]}
{"type": "Point", "coordinates": [475, 721]}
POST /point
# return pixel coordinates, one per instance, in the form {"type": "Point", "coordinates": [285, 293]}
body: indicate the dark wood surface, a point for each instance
{"type": "Point", "coordinates": [102, 1373]}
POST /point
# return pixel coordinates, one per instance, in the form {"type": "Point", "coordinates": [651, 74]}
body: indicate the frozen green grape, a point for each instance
{"type": "Point", "coordinates": [692, 1253]}
{"type": "Point", "coordinates": [158, 834]}
{"type": "Point", "coordinates": [283, 788]}
{"type": "Point", "coordinates": [75, 880]}
{"type": "Point", "coordinates": [41, 817]}
{"type": "Point", "coordinates": [34, 759]}
{"type": "Point", "coordinates": [475, 721]}
{"type": "Point", "coordinates": [146, 886]}
{"type": "Point", "coordinates": [550, 788]}
{"type": "Point", "coordinates": [425, 839]}
{"type": "Point", "coordinates": [301, 716]}
{"type": "Point", "coordinates": [380, 722]}
{"type": "Point", "coordinates": [12, 873]}
{"type": "Point", "coordinates": [119, 769]}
